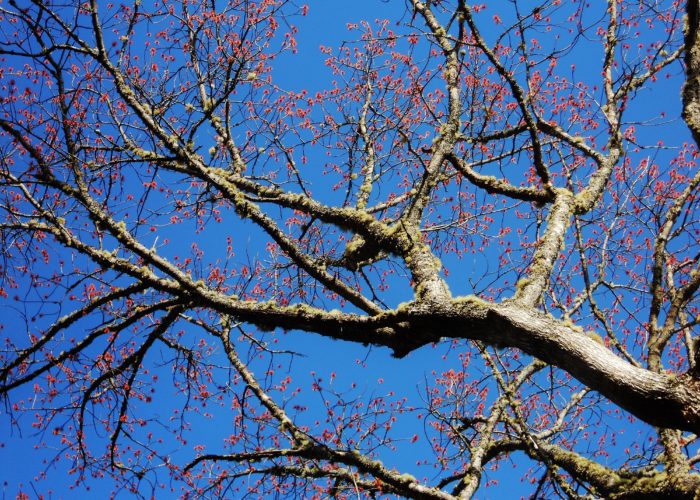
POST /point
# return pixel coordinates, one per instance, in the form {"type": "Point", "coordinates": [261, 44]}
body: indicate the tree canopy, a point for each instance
{"type": "Point", "coordinates": [186, 210]}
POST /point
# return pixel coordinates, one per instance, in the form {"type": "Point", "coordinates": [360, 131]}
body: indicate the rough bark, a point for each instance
{"type": "Point", "coordinates": [660, 399]}
{"type": "Point", "coordinates": [691, 90]}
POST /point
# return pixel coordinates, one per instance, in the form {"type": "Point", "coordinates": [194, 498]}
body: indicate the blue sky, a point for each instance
{"type": "Point", "coordinates": [352, 364]}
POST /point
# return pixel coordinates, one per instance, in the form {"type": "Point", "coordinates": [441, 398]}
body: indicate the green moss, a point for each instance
{"type": "Point", "coordinates": [470, 300]}
{"type": "Point", "coordinates": [404, 306]}
{"type": "Point", "coordinates": [354, 244]}
{"type": "Point", "coordinates": [593, 471]}
{"type": "Point", "coordinates": [307, 311]}
{"type": "Point", "coordinates": [570, 324]}
{"type": "Point", "coordinates": [521, 285]}
{"type": "Point", "coordinates": [641, 485]}
{"type": "Point", "coordinates": [585, 200]}
{"type": "Point", "coordinates": [408, 478]}
{"type": "Point", "coordinates": [268, 304]}
{"type": "Point", "coordinates": [419, 291]}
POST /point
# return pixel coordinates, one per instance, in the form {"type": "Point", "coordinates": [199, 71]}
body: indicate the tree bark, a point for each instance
{"type": "Point", "coordinates": [660, 399]}
{"type": "Point", "coordinates": [691, 89]}
{"type": "Point", "coordinates": [663, 400]}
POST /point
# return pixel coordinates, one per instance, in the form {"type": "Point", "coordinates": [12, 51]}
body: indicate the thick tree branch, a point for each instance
{"type": "Point", "coordinates": [531, 288]}
{"type": "Point", "coordinates": [691, 89]}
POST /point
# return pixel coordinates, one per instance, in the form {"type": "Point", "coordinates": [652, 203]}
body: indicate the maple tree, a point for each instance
{"type": "Point", "coordinates": [508, 184]}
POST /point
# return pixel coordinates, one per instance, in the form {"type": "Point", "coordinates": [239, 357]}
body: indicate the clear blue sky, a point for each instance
{"type": "Point", "coordinates": [325, 25]}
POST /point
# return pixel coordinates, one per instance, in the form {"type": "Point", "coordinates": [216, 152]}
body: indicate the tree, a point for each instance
{"type": "Point", "coordinates": [175, 216]}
